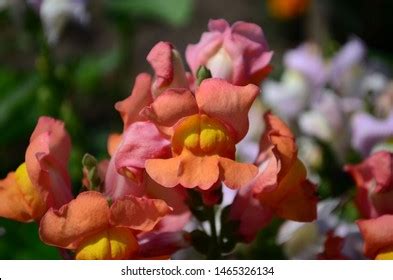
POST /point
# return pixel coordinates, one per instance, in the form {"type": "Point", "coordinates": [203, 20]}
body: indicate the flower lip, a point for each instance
{"type": "Point", "coordinates": [203, 135]}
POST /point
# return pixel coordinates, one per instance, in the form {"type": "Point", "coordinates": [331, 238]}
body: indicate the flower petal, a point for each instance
{"type": "Point", "coordinates": [188, 170]}
{"type": "Point", "coordinates": [67, 227]}
{"type": "Point", "coordinates": [172, 105]}
{"type": "Point", "coordinates": [117, 185]}
{"type": "Point", "coordinates": [252, 215]}
{"type": "Point", "coordinates": [235, 174]}
{"type": "Point", "coordinates": [20, 200]}
{"type": "Point", "coordinates": [228, 103]}
{"type": "Point", "coordinates": [377, 234]}
{"type": "Point", "coordinates": [47, 161]}
{"type": "Point", "coordinates": [140, 97]}
{"type": "Point", "coordinates": [168, 68]}
{"type": "Point", "coordinates": [110, 244]}
{"type": "Point", "coordinates": [141, 141]}
{"type": "Point", "coordinates": [138, 213]}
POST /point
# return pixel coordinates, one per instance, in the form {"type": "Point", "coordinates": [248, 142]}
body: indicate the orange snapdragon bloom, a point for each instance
{"type": "Point", "coordinates": [282, 184]}
{"type": "Point", "coordinates": [203, 130]}
{"type": "Point", "coordinates": [93, 229]}
{"type": "Point", "coordinates": [42, 181]}
{"type": "Point", "coordinates": [280, 189]}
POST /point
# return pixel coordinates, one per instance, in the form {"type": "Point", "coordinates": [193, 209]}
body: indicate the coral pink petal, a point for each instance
{"type": "Point", "coordinates": [118, 186]}
{"type": "Point", "coordinates": [236, 175]}
{"type": "Point", "coordinates": [160, 58]}
{"type": "Point", "coordinates": [377, 234]}
{"type": "Point", "coordinates": [228, 103]}
{"type": "Point", "coordinates": [138, 213]}
{"type": "Point", "coordinates": [87, 214]}
{"type": "Point", "coordinates": [47, 166]}
{"type": "Point", "coordinates": [140, 97]}
{"type": "Point", "coordinates": [169, 107]}
{"type": "Point", "coordinates": [141, 141]}
{"type": "Point", "coordinates": [59, 141]}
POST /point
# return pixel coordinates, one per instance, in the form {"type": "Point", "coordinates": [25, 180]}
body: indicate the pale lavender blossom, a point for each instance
{"type": "Point", "coordinates": [347, 67]}
{"type": "Point", "coordinates": [367, 131]}
{"type": "Point", "coordinates": [307, 59]}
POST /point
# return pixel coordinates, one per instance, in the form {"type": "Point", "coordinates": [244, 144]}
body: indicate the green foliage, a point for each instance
{"type": "Point", "coordinates": [175, 12]}
{"type": "Point", "coordinates": [21, 242]}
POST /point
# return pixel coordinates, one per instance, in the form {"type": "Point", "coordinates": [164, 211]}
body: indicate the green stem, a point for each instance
{"type": "Point", "coordinates": [214, 251]}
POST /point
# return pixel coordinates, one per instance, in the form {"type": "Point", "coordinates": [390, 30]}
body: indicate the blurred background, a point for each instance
{"type": "Point", "coordinates": [73, 59]}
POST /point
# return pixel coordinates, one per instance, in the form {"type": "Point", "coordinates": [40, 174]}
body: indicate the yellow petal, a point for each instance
{"type": "Point", "coordinates": [110, 244]}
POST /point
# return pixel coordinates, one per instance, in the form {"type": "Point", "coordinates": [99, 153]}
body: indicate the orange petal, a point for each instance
{"type": "Point", "coordinates": [172, 105]}
{"type": "Point", "coordinates": [236, 175]}
{"type": "Point", "coordinates": [293, 197]}
{"type": "Point", "coordinates": [140, 97]}
{"type": "Point", "coordinates": [67, 227]}
{"type": "Point", "coordinates": [138, 213]}
{"type": "Point", "coordinates": [228, 103]}
{"type": "Point", "coordinates": [377, 234]}
{"type": "Point", "coordinates": [278, 135]}
{"type": "Point", "coordinates": [188, 170]}
{"type": "Point", "coordinates": [164, 171]}
{"type": "Point", "coordinates": [20, 200]}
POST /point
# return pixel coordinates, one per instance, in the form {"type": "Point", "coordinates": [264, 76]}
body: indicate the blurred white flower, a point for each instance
{"type": "Point", "coordinates": [56, 13]}
{"type": "Point", "coordinates": [314, 123]}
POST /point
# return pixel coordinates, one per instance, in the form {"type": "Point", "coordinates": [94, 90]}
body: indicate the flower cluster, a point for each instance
{"type": "Point", "coordinates": [341, 110]}
{"type": "Point", "coordinates": [171, 164]}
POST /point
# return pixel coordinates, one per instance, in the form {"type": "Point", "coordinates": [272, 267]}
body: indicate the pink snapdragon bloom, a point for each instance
{"type": "Point", "coordinates": [237, 53]}
{"type": "Point", "coordinates": [374, 181]}
{"type": "Point", "coordinates": [378, 237]}
{"type": "Point", "coordinates": [203, 130]}
{"type": "Point", "coordinates": [169, 73]}
{"type": "Point", "coordinates": [94, 229]}
{"type": "Point", "coordinates": [42, 181]}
